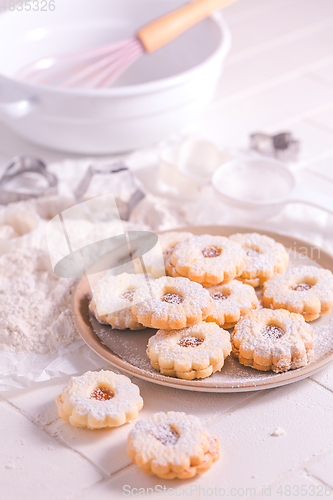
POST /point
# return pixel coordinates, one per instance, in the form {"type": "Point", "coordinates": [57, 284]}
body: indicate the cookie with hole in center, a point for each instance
{"type": "Point", "coordinates": [277, 340]}
{"type": "Point", "coordinates": [306, 290]}
{"type": "Point", "coordinates": [172, 445]}
{"type": "Point", "coordinates": [112, 298]}
{"type": "Point", "coordinates": [230, 302]}
{"type": "Point", "coordinates": [208, 259]}
{"type": "Point", "coordinates": [154, 260]}
{"type": "Point", "coordinates": [171, 303]}
{"type": "Point", "coordinates": [194, 352]}
{"type": "Point", "coordinates": [265, 258]}
{"type": "Point", "coordinates": [99, 399]}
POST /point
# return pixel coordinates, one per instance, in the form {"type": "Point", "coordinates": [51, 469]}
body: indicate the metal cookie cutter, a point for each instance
{"type": "Point", "coordinates": [282, 146]}
{"type": "Point", "coordinates": [15, 184]}
{"type": "Point", "coordinates": [116, 178]}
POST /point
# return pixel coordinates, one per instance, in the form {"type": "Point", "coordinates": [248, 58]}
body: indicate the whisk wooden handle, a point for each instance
{"type": "Point", "coordinates": [167, 28]}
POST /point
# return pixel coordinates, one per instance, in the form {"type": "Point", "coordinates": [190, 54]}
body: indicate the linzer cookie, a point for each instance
{"type": "Point", "coordinates": [264, 258]}
{"type": "Point", "coordinates": [306, 290]}
{"type": "Point", "coordinates": [172, 445]}
{"type": "Point", "coordinates": [155, 259]}
{"type": "Point", "coordinates": [170, 239]}
{"type": "Point", "coordinates": [208, 259]}
{"type": "Point", "coordinates": [112, 298]}
{"type": "Point", "coordinates": [194, 352]}
{"type": "Point", "coordinates": [171, 303]}
{"type": "Point", "coordinates": [230, 302]}
{"type": "Point", "coordinates": [99, 399]}
{"type": "Point", "coordinates": [273, 340]}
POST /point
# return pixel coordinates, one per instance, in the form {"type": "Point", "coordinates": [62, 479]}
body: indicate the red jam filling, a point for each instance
{"type": "Point", "coordinates": [172, 298]}
{"type": "Point", "coordinates": [272, 331]}
{"type": "Point", "coordinates": [190, 341]}
{"type": "Point", "coordinates": [210, 252]}
{"type": "Point", "coordinates": [102, 394]}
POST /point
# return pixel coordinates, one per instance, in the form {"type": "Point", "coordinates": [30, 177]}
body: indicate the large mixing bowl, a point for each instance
{"type": "Point", "coordinates": [160, 94]}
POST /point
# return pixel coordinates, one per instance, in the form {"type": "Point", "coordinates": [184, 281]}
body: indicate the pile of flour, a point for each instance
{"type": "Point", "coordinates": [35, 311]}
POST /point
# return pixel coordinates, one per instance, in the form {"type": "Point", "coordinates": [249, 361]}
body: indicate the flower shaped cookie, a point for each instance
{"type": "Point", "coordinates": [194, 352]}
{"type": "Point", "coordinates": [171, 303]}
{"type": "Point", "coordinates": [272, 340]}
{"type": "Point", "coordinates": [172, 445]}
{"type": "Point", "coordinates": [99, 399]}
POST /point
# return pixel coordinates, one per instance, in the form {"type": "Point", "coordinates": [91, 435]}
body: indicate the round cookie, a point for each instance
{"type": "Point", "coordinates": [171, 303]}
{"type": "Point", "coordinates": [171, 271]}
{"type": "Point", "coordinates": [230, 302]}
{"type": "Point", "coordinates": [264, 258]}
{"type": "Point", "coordinates": [155, 259]}
{"type": "Point", "coordinates": [99, 399]}
{"type": "Point", "coordinates": [306, 290]}
{"type": "Point", "coordinates": [208, 259]}
{"type": "Point", "coordinates": [194, 352]}
{"type": "Point", "coordinates": [275, 340]}
{"type": "Point", "coordinates": [172, 445]}
{"type": "Point", "coordinates": [170, 239]}
{"type": "Point", "coordinates": [112, 298]}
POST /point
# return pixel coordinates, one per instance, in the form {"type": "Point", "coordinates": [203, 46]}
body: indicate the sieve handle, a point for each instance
{"type": "Point", "coordinates": [167, 28]}
{"type": "Point", "coordinates": [302, 194]}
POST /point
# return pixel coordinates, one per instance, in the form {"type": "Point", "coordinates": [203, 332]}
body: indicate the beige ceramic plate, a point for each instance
{"type": "Point", "coordinates": [127, 349]}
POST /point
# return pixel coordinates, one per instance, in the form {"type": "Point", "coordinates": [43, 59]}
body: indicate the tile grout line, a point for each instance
{"type": "Point", "coordinates": [307, 164]}
{"type": "Point", "coordinates": [278, 41]}
{"type": "Point", "coordinates": [298, 468]}
{"type": "Point", "coordinates": [238, 406]}
{"type": "Point", "coordinates": [312, 460]}
{"type": "Point", "coordinates": [43, 428]}
{"type": "Point", "coordinates": [318, 174]}
{"type": "Point", "coordinates": [321, 385]}
{"type": "Point", "coordinates": [320, 79]}
{"type": "Point", "coordinates": [258, 9]}
{"type": "Point", "coordinates": [321, 126]}
{"type": "Point", "coordinates": [81, 492]}
{"type": "Point", "coordinates": [303, 116]}
{"type": "Point", "coordinates": [301, 467]}
{"type": "Point", "coordinates": [266, 85]}
{"type": "Point", "coordinates": [101, 482]}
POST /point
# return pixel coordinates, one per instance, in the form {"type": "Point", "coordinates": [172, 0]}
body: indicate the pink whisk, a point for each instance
{"type": "Point", "coordinates": [101, 66]}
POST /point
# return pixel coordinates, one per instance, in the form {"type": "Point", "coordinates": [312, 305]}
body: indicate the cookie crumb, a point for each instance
{"type": "Point", "coordinates": [278, 432]}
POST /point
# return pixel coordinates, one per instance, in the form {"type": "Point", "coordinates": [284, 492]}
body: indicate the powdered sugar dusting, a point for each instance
{"type": "Point", "coordinates": [79, 390]}
{"type": "Point", "coordinates": [148, 435]}
{"type": "Point", "coordinates": [323, 339]}
{"type": "Point", "coordinates": [165, 435]}
{"type": "Point", "coordinates": [279, 290]}
{"type": "Point", "coordinates": [272, 331]}
{"type": "Point", "coordinates": [35, 304]}
{"type": "Point", "coordinates": [172, 298]}
{"type": "Point", "coordinates": [219, 296]}
{"type": "Point", "coordinates": [149, 299]}
{"type": "Point", "coordinates": [264, 254]}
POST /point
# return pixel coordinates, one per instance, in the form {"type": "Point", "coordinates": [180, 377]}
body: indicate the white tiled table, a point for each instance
{"type": "Point", "coordinates": [279, 75]}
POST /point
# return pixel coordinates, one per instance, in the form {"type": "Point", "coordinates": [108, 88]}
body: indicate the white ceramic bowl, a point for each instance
{"type": "Point", "coordinates": [161, 94]}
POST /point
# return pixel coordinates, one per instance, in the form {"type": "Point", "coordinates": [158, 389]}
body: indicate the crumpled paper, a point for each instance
{"type": "Point", "coordinates": [22, 370]}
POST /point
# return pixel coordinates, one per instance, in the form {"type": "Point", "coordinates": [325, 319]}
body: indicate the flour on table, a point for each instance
{"type": "Point", "coordinates": [7, 232]}
{"type": "Point", "coordinates": [34, 304]}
